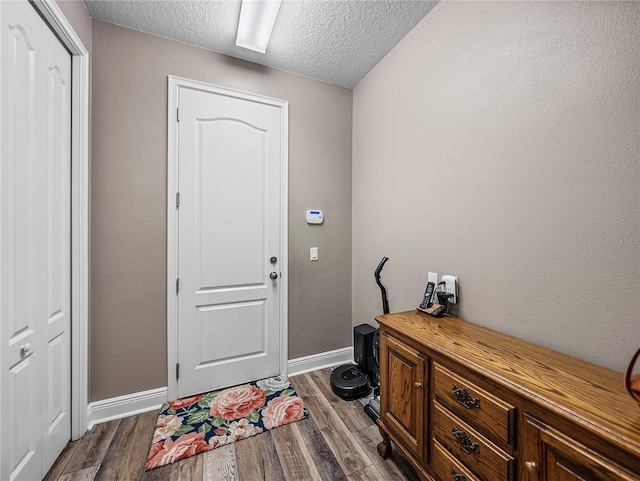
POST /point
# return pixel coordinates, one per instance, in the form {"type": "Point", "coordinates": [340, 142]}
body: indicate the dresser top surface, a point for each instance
{"type": "Point", "coordinates": [587, 394]}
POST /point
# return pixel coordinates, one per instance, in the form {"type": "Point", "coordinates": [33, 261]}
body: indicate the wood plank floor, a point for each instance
{"type": "Point", "coordinates": [336, 443]}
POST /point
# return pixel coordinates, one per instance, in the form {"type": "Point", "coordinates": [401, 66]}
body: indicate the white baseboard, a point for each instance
{"type": "Point", "coordinates": [140, 402]}
{"type": "Point", "coordinates": [320, 361]}
{"type": "Point", "coordinates": [127, 405]}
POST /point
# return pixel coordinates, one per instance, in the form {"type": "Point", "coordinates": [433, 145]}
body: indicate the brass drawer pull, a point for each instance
{"type": "Point", "coordinates": [465, 443]}
{"type": "Point", "coordinates": [465, 398]}
{"type": "Point", "coordinates": [457, 477]}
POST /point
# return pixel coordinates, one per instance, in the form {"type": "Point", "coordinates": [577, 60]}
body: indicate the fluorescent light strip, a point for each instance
{"type": "Point", "coordinates": [257, 18]}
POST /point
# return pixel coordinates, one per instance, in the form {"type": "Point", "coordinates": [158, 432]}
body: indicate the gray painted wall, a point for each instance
{"type": "Point", "coordinates": [128, 182]}
{"type": "Point", "coordinates": [523, 115]}
{"type": "Point", "coordinates": [500, 142]}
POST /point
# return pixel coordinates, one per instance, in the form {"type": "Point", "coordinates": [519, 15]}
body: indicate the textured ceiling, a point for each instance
{"type": "Point", "coordinates": [336, 41]}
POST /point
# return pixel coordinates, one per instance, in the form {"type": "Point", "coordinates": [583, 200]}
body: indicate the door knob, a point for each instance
{"type": "Point", "coordinates": [273, 275]}
{"type": "Point", "coordinates": [25, 349]}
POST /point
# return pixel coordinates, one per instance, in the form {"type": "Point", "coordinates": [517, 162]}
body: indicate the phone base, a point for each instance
{"type": "Point", "coordinates": [436, 310]}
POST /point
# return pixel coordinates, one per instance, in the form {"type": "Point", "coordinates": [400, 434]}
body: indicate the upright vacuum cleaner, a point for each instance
{"type": "Point", "coordinates": [372, 409]}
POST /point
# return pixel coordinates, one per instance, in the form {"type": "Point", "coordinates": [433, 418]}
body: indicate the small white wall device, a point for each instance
{"type": "Point", "coordinates": [314, 217]}
{"type": "Point", "coordinates": [451, 286]}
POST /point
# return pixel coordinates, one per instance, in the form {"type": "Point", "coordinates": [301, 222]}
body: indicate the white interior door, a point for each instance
{"type": "Point", "coordinates": [230, 151]}
{"type": "Point", "coordinates": [54, 109]}
{"type": "Point", "coordinates": [34, 244]}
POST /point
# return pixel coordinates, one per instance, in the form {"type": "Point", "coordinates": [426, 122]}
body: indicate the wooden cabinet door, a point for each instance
{"type": "Point", "coordinates": [552, 456]}
{"type": "Point", "coordinates": [403, 388]}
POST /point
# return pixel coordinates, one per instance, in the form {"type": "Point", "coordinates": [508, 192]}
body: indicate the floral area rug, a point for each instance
{"type": "Point", "coordinates": [199, 423]}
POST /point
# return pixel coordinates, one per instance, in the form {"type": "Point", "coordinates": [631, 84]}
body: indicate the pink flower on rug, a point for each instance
{"type": "Point", "coordinates": [282, 410]}
{"type": "Point", "coordinates": [166, 425]}
{"type": "Point", "coordinates": [237, 402]}
{"type": "Point", "coordinates": [167, 452]}
{"type": "Point", "coordinates": [188, 401]}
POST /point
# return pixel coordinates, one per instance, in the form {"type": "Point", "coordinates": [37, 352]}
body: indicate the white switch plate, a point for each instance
{"type": "Point", "coordinates": [313, 254]}
{"type": "Point", "coordinates": [451, 286]}
{"type": "Point", "coordinates": [433, 277]}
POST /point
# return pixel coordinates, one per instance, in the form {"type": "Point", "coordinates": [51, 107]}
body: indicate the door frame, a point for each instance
{"type": "Point", "coordinates": [174, 84]}
{"type": "Point", "coordinates": [52, 14]}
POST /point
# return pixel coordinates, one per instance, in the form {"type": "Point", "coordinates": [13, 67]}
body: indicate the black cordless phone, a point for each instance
{"type": "Point", "coordinates": [428, 294]}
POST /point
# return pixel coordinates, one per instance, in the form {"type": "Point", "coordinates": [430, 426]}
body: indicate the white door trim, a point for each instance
{"type": "Point", "coordinates": [79, 211]}
{"type": "Point", "coordinates": [174, 84]}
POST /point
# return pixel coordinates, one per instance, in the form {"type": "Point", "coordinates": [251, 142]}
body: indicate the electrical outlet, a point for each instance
{"type": "Point", "coordinates": [433, 277]}
{"type": "Point", "coordinates": [451, 286]}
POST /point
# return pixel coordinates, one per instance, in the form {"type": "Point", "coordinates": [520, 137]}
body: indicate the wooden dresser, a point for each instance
{"type": "Point", "coordinates": [465, 403]}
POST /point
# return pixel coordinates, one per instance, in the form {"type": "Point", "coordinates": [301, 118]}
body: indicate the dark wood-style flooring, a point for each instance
{"type": "Point", "coordinates": [336, 443]}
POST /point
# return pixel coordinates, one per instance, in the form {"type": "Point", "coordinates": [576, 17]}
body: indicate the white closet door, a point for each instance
{"type": "Point", "coordinates": [34, 243]}
{"type": "Point", "coordinates": [54, 113]}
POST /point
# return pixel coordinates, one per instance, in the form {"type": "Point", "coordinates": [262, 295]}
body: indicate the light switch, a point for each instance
{"type": "Point", "coordinates": [313, 254]}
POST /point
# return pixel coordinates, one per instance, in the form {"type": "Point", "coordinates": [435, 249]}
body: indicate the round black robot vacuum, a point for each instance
{"type": "Point", "coordinates": [350, 382]}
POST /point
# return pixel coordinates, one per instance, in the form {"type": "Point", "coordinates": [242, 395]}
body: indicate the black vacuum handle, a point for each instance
{"type": "Point", "coordinates": [380, 266]}
{"type": "Point", "coordinates": [385, 300]}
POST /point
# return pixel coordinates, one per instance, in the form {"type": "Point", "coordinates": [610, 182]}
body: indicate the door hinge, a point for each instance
{"type": "Point", "coordinates": [177, 200]}
{"type": "Point", "coordinates": [177, 371]}
{"type": "Point", "coordinates": [177, 115]}
{"type": "Point", "coordinates": [177, 285]}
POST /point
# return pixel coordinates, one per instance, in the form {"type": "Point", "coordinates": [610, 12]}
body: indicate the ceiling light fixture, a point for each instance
{"type": "Point", "coordinates": [257, 18]}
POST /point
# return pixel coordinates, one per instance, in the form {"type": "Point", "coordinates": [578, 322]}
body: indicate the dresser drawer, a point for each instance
{"type": "Point", "coordinates": [491, 416]}
{"type": "Point", "coordinates": [476, 452]}
{"type": "Point", "coordinates": [446, 467]}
